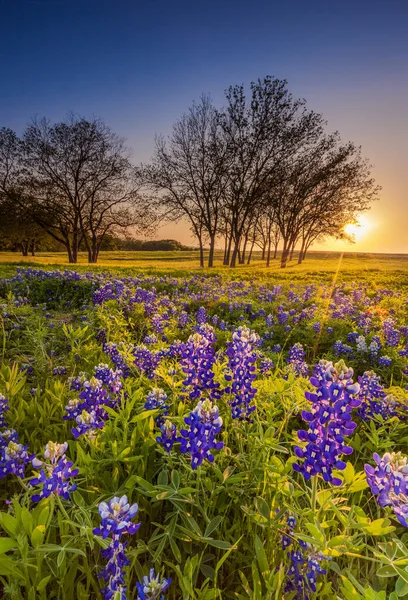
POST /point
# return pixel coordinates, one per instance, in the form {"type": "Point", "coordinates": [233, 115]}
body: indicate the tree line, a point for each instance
{"type": "Point", "coordinates": [261, 172]}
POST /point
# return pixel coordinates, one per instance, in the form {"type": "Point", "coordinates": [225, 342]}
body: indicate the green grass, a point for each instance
{"type": "Point", "coordinates": [326, 266]}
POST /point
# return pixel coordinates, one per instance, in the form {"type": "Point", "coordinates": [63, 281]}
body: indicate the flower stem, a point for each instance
{"type": "Point", "coordinates": [314, 495]}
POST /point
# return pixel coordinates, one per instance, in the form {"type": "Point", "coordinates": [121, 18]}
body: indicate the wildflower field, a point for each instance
{"type": "Point", "coordinates": [194, 435]}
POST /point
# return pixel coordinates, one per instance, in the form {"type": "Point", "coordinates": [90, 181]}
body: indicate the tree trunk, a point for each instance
{"type": "Point", "coordinates": [268, 256]}
{"type": "Point", "coordinates": [250, 252]}
{"type": "Point", "coordinates": [201, 254]}
{"type": "Point", "coordinates": [233, 262]}
{"type": "Point", "coordinates": [275, 253]}
{"type": "Point", "coordinates": [285, 253]}
{"type": "Point", "coordinates": [32, 247]}
{"type": "Point", "coordinates": [263, 251]}
{"type": "Point", "coordinates": [227, 254]}
{"type": "Point", "coordinates": [301, 252]}
{"type": "Point", "coordinates": [292, 249]}
{"type": "Point", "coordinates": [24, 248]}
{"type": "Point", "coordinates": [212, 250]}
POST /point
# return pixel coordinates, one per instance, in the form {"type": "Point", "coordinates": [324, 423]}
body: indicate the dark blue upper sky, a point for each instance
{"type": "Point", "coordinates": [139, 65]}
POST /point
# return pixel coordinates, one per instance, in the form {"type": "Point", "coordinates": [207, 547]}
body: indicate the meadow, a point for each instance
{"type": "Point", "coordinates": [174, 433]}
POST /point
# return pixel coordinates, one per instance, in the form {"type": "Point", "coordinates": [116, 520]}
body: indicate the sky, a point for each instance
{"type": "Point", "coordinates": [140, 65]}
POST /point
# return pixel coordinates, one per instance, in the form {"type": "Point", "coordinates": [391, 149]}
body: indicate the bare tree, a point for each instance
{"type": "Point", "coordinates": [78, 176]}
{"type": "Point", "coordinates": [188, 173]}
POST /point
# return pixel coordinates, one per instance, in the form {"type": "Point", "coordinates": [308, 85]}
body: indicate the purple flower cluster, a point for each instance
{"type": "Point", "coordinates": [55, 473]}
{"type": "Point", "coordinates": [199, 440]}
{"type": "Point", "coordinates": [152, 587]}
{"type": "Point", "coordinates": [374, 401]}
{"type": "Point", "coordinates": [296, 360]}
{"type": "Point", "coordinates": [4, 406]}
{"type": "Point", "coordinates": [305, 564]}
{"type": "Point", "coordinates": [88, 410]}
{"type": "Point", "coordinates": [197, 361]}
{"type": "Point", "coordinates": [115, 522]}
{"type": "Point", "coordinates": [156, 400]}
{"type": "Point", "coordinates": [241, 372]}
{"type": "Point", "coordinates": [329, 421]}
{"type": "Point", "coordinates": [13, 455]}
{"type": "Point", "coordinates": [388, 481]}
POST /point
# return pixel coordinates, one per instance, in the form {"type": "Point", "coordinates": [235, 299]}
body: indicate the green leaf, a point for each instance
{"type": "Point", "coordinates": [212, 525]}
{"type": "Point", "coordinates": [37, 537]}
{"type": "Point", "coordinates": [217, 543]}
{"type": "Point", "coordinates": [9, 523]}
{"type": "Point", "coordinates": [401, 588]}
{"type": "Point", "coordinates": [43, 583]}
{"type": "Point", "coordinates": [261, 556]}
{"type": "Point", "coordinates": [379, 527]}
{"type": "Point", "coordinates": [7, 544]}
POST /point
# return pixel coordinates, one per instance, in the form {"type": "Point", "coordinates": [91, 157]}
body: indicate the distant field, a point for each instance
{"type": "Point", "coordinates": [318, 265]}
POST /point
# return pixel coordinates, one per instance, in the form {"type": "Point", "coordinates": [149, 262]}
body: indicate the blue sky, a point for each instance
{"type": "Point", "coordinates": [140, 65]}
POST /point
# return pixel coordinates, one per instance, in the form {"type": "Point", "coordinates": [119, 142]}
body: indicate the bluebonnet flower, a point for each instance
{"type": "Point", "coordinates": [4, 406]}
{"type": "Point", "coordinates": [201, 317]}
{"type": "Point", "coordinates": [266, 365]}
{"type": "Point", "coordinates": [361, 344]}
{"type": "Point", "coordinates": [296, 360]}
{"type": "Point", "coordinates": [353, 336]}
{"type": "Point", "coordinates": [116, 518]}
{"type": "Point", "coordinates": [152, 587]}
{"type": "Point", "coordinates": [241, 372]}
{"type": "Point", "coordinates": [374, 400]}
{"type": "Point", "coordinates": [156, 400]}
{"type": "Point", "coordinates": [13, 456]}
{"type": "Point", "coordinates": [385, 361]}
{"type": "Point", "coordinates": [113, 572]}
{"type": "Point", "coordinates": [199, 440]}
{"type": "Point", "coordinates": [276, 348]}
{"type": "Point", "coordinates": [316, 326]}
{"type": "Point", "coordinates": [330, 330]}
{"type": "Point", "coordinates": [116, 357]}
{"type": "Point", "coordinates": [197, 361]}
{"type": "Point", "coordinates": [329, 420]}
{"type": "Point", "coordinates": [183, 320]}
{"type": "Point", "coordinates": [168, 435]}
{"type": "Point", "coordinates": [305, 564]}
{"type": "Point", "coordinates": [145, 360]}
{"type": "Point", "coordinates": [374, 348]}
{"type": "Point", "coordinates": [269, 320]}
{"type": "Point", "coordinates": [116, 521]}
{"type": "Point", "coordinates": [59, 371]}
{"type": "Point", "coordinates": [388, 481]}
{"type": "Point", "coordinates": [55, 473]}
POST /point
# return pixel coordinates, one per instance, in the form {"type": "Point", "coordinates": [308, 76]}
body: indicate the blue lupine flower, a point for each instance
{"type": "Point", "coordinates": [241, 372]}
{"type": "Point", "coordinates": [329, 420]}
{"type": "Point", "coordinates": [4, 406]}
{"type": "Point", "coordinates": [199, 440]}
{"type": "Point", "coordinates": [156, 400]}
{"type": "Point", "coordinates": [197, 361]}
{"type": "Point", "coordinates": [59, 371]}
{"type": "Point", "coordinates": [385, 361]}
{"type": "Point", "coordinates": [201, 317]}
{"type": "Point", "coordinates": [374, 400]}
{"type": "Point", "coordinates": [305, 563]}
{"type": "Point", "coordinates": [152, 587]}
{"type": "Point", "coordinates": [116, 517]}
{"type": "Point", "coordinates": [168, 435]}
{"type": "Point", "coordinates": [55, 473]}
{"type": "Point", "coordinates": [388, 481]}
{"type": "Point", "coordinates": [13, 457]}
{"type": "Point", "coordinates": [296, 360]}
{"type": "Point", "coordinates": [113, 572]}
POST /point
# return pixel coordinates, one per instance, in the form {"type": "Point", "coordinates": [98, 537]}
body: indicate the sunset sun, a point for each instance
{"type": "Point", "coordinates": [360, 229]}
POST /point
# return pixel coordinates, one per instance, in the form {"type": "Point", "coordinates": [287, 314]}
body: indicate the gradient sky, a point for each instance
{"type": "Point", "coordinates": [139, 65]}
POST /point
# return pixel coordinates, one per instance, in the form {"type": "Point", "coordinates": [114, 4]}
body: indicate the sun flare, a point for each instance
{"type": "Point", "coordinates": [359, 229]}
